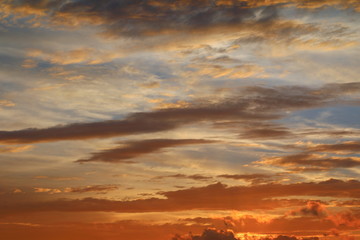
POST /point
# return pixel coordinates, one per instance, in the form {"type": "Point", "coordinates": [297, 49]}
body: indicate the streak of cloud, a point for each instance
{"type": "Point", "coordinates": [138, 148]}
{"type": "Point", "coordinates": [222, 198]}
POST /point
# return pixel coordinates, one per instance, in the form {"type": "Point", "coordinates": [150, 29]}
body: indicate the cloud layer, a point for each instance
{"type": "Point", "coordinates": [222, 198]}
{"type": "Point", "coordinates": [254, 104]}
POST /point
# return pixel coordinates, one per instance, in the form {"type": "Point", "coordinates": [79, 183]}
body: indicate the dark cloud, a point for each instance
{"type": "Point", "coordinates": [283, 237]}
{"type": "Point", "coordinates": [331, 132]}
{"type": "Point", "coordinates": [214, 234]}
{"type": "Point", "coordinates": [93, 188]}
{"type": "Point", "coordinates": [193, 177]}
{"type": "Point", "coordinates": [266, 131]}
{"type": "Point", "coordinates": [134, 18]}
{"type": "Point", "coordinates": [252, 104]}
{"type": "Point", "coordinates": [222, 198]}
{"type": "Point", "coordinates": [210, 234]}
{"type": "Point", "coordinates": [285, 31]}
{"type": "Point", "coordinates": [312, 209]}
{"type": "Point", "coordinates": [139, 17]}
{"type": "Point", "coordinates": [138, 148]}
{"type": "Point", "coordinates": [299, 226]}
{"type": "Point", "coordinates": [80, 131]}
{"type": "Point", "coordinates": [317, 209]}
{"type": "Point", "coordinates": [298, 97]}
{"type": "Point", "coordinates": [350, 147]}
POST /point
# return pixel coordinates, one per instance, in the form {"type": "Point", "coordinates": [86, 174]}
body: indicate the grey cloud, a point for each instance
{"type": "Point", "coordinates": [138, 148]}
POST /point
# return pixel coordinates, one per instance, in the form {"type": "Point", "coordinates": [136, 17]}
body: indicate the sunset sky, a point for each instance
{"type": "Point", "coordinates": [179, 120]}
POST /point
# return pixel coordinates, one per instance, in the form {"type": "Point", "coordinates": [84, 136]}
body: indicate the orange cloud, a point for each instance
{"type": "Point", "coordinates": [345, 218]}
{"type": "Point", "coordinates": [217, 71]}
{"type": "Point", "coordinates": [312, 162]}
{"type": "Point", "coordinates": [345, 147]}
{"type": "Point", "coordinates": [313, 159]}
{"type": "Point", "coordinates": [47, 190]}
{"type": "Point", "coordinates": [6, 103]}
{"type": "Point", "coordinates": [222, 198]}
{"type": "Point", "coordinates": [16, 149]}
{"type": "Point", "coordinates": [87, 56]}
{"type": "Point", "coordinates": [29, 63]}
{"type": "Point", "coordinates": [86, 189]}
{"type": "Point", "coordinates": [309, 226]}
{"type": "Point", "coordinates": [312, 209]}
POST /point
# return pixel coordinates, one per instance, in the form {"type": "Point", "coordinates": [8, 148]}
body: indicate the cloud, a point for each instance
{"type": "Point", "coordinates": [6, 103]}
{"type": "Point", "coordinates": [210, 234]}
{"type": "Point", "coordinates": [87, 56]}
{"type": "Point", "coordinates": [312, 162]}
{"type": "Point", "coordinates": [278, 227]}
{"type": "Point", "coordinates": [172, 26]}
{"type": "Point", "coordinates": [317, 209]}
{"type": "Point", "coordinates": [58, 178]}
{"type": "Point", "coordinates": [222, 198]}
{"type": "Point", "coordinates": [17, 190]}
{"type": "Point", "coordinates": [235, 72]}
{"type": "Point", "coordinates": [29, 63]}
{"type": "Point", "coordinates": [282, 237]}
{"type": "Point", "coordinates": [136, 18]}
{"type": "Point", "coordinates": [266, 131]}
{"type": "Point", "coordinates": [193, 177]}
{"type": "Point", "coordinates": [350, 203]}
{"type": "Point", "coordinates": [252, 104]}
{"type": "Point", "coordinates": [138, 148]}
{"type": "Point", "coordinates": [47, 190]}
{"type": "Point", "coordinates": [305, 226]}
{"type": "Point", "coordinates": [73, 230]}
{"type": "Point", "coordinates": [86, 189]}
{"type": "Point", "coordinates": [345, 218]}
{"type": "Point", "coordinates": [316, 157]}
{"type": "Point", "coordinates": [345, 147]}
{"type": "Point", "coordinates": [312, 209]}
{"type": "Point", "coordinates": [17, 149]}
{"type": "Point", "coordinates": [332, 132]}
{"type": "Point", "coordinates": [255, 178]}
{"type": "Point", "coordinates": [93, 188]}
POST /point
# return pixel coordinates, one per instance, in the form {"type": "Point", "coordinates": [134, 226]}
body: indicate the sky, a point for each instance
{"type": "Point", "coordinates": [180, 119]}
